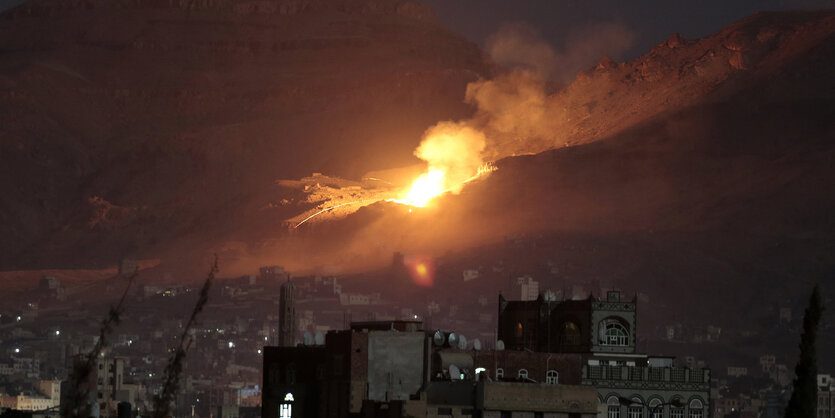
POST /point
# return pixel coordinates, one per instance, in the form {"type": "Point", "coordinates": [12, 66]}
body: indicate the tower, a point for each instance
{"type": "Point", "coordinates": [287, 315]}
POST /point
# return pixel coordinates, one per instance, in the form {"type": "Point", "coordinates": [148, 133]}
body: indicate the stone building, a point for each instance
{"type": "Point", "coordinates": [603, 333]}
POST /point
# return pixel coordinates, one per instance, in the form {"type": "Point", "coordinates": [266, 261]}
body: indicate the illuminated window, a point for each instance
{"type": "Point", "coordinates": [523, 374]}
{"type": "Point", "coordinates": [499, 373]}
{"type": "Point", "coordinates": [286, 408]}
{"type": "Point", "coordinates": [519, 330]}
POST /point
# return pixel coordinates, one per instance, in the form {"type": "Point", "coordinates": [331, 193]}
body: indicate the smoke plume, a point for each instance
{"type": "Point", "coordinates": [520, 46]}
{"type": "Point", "coordinates": [454, 149]}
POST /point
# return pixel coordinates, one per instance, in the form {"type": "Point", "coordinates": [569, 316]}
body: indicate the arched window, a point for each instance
{"type": "Point", "coordinates": [677, 412]}
{"type": "Point", "coordinates": [613, 407]}
{"type": "Point", "coordinates": [523, 374]}
{"type": "Point", "coordinates": [696, 409]}
{"type": "Point", "coordinates": [499, 373]}
{"type": "Point", "coordinates": [286, 407]}
{"type": "Point", "coordinates": [571, 332]}
{"type": "Point", "coordinates": [613, 332]}
{"type": "Point", "coordinates": [636, 410]}
{"type": "Point", "coordinates": [519, 330]}
{"type": "Point", "coordinates": [552, 377]}
{"type": "Point", "coordinates": [655, 408]}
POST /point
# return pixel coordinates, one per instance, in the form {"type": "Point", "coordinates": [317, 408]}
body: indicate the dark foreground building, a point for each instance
{"type": "Point", "coordinates": [564, 359]}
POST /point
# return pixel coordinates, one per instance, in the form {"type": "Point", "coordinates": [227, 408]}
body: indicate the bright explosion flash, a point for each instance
{"type": "Point", "coordinates": [426, 187]}
{"type": "Point", "coordinates": [452, 152]}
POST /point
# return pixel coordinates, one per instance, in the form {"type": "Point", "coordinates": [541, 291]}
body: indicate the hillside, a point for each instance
{"type": "Point", "coordinates": [130, 128]}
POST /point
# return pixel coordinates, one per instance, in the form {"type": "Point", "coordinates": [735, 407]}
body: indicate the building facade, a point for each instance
{"type": "Point", "coordinates": [826, 396]}
{"type": "Point", "coordinates": [603, 333]}
{"type": "Point", "coordinates": [287, 315]}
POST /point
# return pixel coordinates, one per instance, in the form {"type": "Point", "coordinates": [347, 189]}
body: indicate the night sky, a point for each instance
{"type": "Point", "coordinates": [652, 21]}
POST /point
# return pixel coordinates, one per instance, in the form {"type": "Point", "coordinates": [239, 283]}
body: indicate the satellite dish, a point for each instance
{"type": "Point", "coordinates": [499, 345]}
{"type": "Point", "coordinates": [454, 372]}
{"type": "Point", "coordinates": [462, 342]}
{"type": "Point", "coordinates": [308, 338]}
{"type": "Point", "coordinates": [453, 339]}
{"type": "Point", "coordinates": [438, 338]}
{"type": "Point", "coordinates": [476, 344]}
{"type": "Point", "coordinates": [319, 338]}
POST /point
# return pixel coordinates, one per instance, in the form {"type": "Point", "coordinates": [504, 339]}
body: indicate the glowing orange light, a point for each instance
{"type": "Point", "coordinates": [421, 269]}
{"type": "Point", "coordinates": [425, 187]}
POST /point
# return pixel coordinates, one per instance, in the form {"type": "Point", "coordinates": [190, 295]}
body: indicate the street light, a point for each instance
{"type": "Point", "coordinates": [675, 402]}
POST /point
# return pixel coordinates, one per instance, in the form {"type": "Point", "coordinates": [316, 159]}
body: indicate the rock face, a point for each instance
{"type": "Point", "coordinates": [126, 125]}
{"type": "Point", "coordinates": [677, 74]}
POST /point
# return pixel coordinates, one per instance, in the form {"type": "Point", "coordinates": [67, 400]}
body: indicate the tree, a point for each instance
{"type": "Point", "coordinates": [804, 400]}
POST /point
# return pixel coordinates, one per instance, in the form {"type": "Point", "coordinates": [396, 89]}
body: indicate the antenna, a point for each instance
{"type": "Point", "coordinates": [476, 344]}
{"type": "Point", "coordinates": [462, 342]}
{"type": "Point", "coordinates": [499, 345]}
{"type": "Point", "coordinates": [308, 338]}
{"type": "Point", "coordinates": [319, 338]}
{"type": "Point", "coordinates": [453, 339]}
{"type": "Point", "coordinates": [438, 338]}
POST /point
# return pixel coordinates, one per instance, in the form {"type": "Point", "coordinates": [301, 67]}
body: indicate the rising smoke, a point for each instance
{"type": "Point", "coordinates": [525, 109]}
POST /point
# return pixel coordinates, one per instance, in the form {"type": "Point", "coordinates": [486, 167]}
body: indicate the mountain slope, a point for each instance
{"type": "Point", "coordinates": [128, 125]}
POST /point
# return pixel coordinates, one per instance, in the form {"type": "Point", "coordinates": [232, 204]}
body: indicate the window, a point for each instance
{"type": "Point", "coordinates": [613, 410]}
{"type": "Point", "coordinates": [519, 330]}
{"type": "Point", "coordinates": [445, 411]}
{"type": "Point", "coordinates": [655, 409]}
{"type": "Point", "coordinates": [676, 412]}
{"type": "Point", "coordinates": [552, 377]}
{"type": "Point", "coordinates": [613, 333]}
{"type": "Point", "coordinates": [571, 332]}
{"type": "Point", "coordinates": [696, 409]}
{"type": "Point", "coordinates": [286, 408]}
{"type": "Point", "coordinates": [636, 412]}
{"type": "Point", "coordinates": [523, 374]}
{"type": "Point", "coordinates": [499, 373]}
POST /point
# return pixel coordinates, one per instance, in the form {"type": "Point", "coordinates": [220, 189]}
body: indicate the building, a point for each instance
{"type": "Point", "coordinates": [603, 333]}
{"type": "Point", "coordinates": [396, 369]}
{"type": "Point", "coordinates": [111, 387]}
{"type": "Point", "coordinates": [570, 326]}
{"type": "Point", "coordinates": [47, 396]}
{"type": "Point", "coordinates": [826, 396]}
{"type": "Point", "coordinates": [287, 315]}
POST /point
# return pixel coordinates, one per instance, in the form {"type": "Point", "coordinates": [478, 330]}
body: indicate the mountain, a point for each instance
{"type": "Point", "coordinates": [129, 126]}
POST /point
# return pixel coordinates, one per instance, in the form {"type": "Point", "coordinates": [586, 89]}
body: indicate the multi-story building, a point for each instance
{"type": "Point", "coordinates": [603, 332]}
{"type": "Point", "coordinates": [394, 369]}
